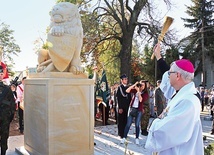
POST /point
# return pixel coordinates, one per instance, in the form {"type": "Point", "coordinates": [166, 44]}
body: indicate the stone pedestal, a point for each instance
{"type": "Point", "coordinates": [58, 114]}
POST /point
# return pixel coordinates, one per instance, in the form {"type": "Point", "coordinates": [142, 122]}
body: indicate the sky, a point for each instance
{"type": "Point", "coordinates": [30, 18]}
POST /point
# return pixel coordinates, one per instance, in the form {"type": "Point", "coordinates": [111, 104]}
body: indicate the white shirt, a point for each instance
{"type": "Point", "coordinates": [20, 93]}
{"type": "Point", "coordinates": [136, 101]}
{"type": "Point", "coordinates": [180, 131]}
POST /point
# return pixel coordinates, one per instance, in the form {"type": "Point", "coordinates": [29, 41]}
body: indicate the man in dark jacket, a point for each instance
{"type": "Point", "coordinates": [7, 109]}
{"type": "Point", "coordinates": [123, 99]}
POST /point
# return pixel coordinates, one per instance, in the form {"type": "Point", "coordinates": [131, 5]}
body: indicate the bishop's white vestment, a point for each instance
{"type": "Point", "coordinates": [179, 132]}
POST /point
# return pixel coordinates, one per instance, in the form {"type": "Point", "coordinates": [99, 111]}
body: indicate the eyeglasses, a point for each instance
{"type": "Point", "coordinates": [170, 72]}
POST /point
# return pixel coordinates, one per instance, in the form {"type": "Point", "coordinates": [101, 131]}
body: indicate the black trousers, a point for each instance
{"type": "Point", "coordinates": [4, 131]}
{"type": "Point", "coordinates": [21, 118]}
{"type": "Point", "coordinates": [116, 113]}
{"type": "Point", "coordinates": [121, 123]}
{"type": "Point", "coordinates": [202, 105]}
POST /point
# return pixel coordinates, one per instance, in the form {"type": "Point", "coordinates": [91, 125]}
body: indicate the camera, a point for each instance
{"type": "Point", "coordinates": [139, 85]}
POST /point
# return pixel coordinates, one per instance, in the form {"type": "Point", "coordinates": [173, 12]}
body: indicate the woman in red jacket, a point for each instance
{"type": "Point", "coordinates": [139, 96]}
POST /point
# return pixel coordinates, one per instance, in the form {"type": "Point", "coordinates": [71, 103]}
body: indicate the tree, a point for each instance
{"type": "Point", "coordinates": [148, 67]}
{"type": "Point", "coordinates": [201, 41]}
{"type": "Point", "coordinates": [124, 17]}
{"type": "Point", "coordinates": [202, 21]}
{"type": "Point", "coordinates": [171, 54]}
{"type": "Point", "coordinates": [7, 42]}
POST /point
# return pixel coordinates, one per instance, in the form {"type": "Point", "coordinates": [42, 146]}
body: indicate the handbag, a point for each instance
{"type": "Point", "coordinates": [133, 112]}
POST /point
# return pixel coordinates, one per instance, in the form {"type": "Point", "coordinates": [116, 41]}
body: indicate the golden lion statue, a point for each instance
{"type": "Point", "coordinates": [64, 41]}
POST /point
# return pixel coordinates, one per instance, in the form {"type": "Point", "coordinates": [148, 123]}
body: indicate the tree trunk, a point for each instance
{"type": "Point", "coordinates": [125, 56]}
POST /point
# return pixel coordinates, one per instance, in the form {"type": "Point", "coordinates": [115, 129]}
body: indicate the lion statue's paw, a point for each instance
{"type": "Point", "coordinates": [57, 31]}
{"type": "Point", "coordinates": [76, 70]}
{"type": "Point", "coordinates": [40, 68]}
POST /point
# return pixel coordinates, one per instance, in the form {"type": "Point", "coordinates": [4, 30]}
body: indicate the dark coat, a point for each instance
{"type": "Point", "coordinates": [123, 98]}
{"type": "Point", "coordinates": [160, 101]}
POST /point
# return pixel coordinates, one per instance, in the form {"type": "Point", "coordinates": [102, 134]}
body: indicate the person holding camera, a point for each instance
{"type": "Point", "coordinates": [139, 96]}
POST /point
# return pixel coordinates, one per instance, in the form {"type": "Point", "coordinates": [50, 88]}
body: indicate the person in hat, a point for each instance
{"type": "Point", "coordinates": [7, 109]}
{"type": "Point", "coordinates": [123, 99]}
{"type": "Point", "coordinates": [160, 100]}
{"type": "Point", "coordinates": [176, 132]}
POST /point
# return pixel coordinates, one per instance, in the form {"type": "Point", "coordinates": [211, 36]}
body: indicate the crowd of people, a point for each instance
{"type": "Point", "coordinates": [207, 99]}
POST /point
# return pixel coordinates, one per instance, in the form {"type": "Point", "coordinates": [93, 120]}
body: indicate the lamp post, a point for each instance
{"type": "Point", "coordinates": [203, 54]}
{"type": "Point", "coordinates": [154, 43]}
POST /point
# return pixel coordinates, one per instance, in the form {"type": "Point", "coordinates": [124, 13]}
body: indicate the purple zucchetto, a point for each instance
{"type": "Point", "coordinates": [185, 64]}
